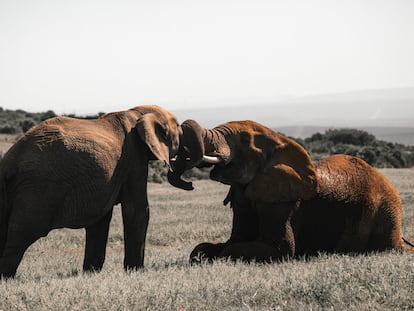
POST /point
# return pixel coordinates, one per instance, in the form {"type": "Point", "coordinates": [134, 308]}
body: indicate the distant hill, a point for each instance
{"type": "Point", "coordinates": [375, 144]}
{"type": "Point", "coordinates": [388, 113]}
{"type": "Point", "coordinates": [401, 135]}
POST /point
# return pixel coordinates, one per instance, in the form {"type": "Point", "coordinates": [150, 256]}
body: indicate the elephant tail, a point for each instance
{"type": "Point", "coordinates": [411, 249]}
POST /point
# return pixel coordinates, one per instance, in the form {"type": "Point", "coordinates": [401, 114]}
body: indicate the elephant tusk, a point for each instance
{"type": "Point", "coordinates": [212, 160]}
{"type": "Point", "coordinates": [175, 159]}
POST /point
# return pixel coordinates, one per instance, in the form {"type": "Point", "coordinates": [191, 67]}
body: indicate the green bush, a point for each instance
{"type": "Point", "coordinates": [26, 125]}
{"type": "Point", "coordinates": [361, 144]}
{"type": "Point", "coordinates": [8, 129]}
{"type": "Point", "coordinates": [19, 121]}
{"type": "Point", "coordinates": [349, 137]}
{"type": "Point", "coordinates": [47, 115]}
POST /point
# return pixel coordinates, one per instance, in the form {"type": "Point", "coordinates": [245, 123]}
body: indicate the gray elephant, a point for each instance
{"type": "Point", "coordinates": [283, 205]}
{"type": "Point", "coordinates": [70, 173]}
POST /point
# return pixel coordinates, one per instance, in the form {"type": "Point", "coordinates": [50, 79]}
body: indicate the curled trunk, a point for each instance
{"type": "Point", "coordinates": [190, 154]}
{"type": "Point", "coordinates": [198, 146]}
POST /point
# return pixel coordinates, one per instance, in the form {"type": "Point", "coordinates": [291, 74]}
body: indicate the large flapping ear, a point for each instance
{"type": "Point", "coordinates": [288, 176]}
{"type": "Point", "coordinates": [154, 135]}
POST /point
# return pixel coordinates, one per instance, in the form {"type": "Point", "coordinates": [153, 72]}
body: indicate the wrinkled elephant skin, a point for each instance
{"type": "Point", "coordinates": [70, 173]}
{"type": "Point", "coordinates": [284, 205]}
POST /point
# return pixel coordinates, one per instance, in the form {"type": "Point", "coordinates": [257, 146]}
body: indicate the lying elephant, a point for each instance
{"type": "Point", "coordinates": [284, 206]}
{"type": "Point", "coordinates": [70, 173]}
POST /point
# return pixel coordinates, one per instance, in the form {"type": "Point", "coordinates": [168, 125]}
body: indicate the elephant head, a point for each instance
{"type": "Point", "coordinates": [271, 166]}
{"type": "Point", "coordinates": [160, 131]}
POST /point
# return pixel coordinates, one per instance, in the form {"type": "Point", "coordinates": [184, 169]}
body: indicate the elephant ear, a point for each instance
{"type": "Point", "coordinates": [154, 134]}
{"type": "Point", "coordinates": [288, 176]}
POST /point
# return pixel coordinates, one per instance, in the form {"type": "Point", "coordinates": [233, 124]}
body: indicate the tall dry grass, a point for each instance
{"type": "Point", "coordinates": [50, 276]}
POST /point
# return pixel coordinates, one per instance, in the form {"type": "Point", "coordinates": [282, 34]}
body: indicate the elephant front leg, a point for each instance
{"type": "Point", "coordinates": [135, 215]}
{"type": "Point", "coordinates": [206, 252]}
{"type": "Point", "coordinates": [96, 239]}
{"type": "Point", "coordinates": [257, 251]}
{"type": "Point", "coordinates": [276, 229]}
{"type": "Point", "coordinates": [245, 227]}
{"type": "Point", "coordinates": [245, 223]}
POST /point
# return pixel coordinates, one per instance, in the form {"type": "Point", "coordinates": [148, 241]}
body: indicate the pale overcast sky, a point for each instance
{"type": "Point", "coordinates": [83, 56]}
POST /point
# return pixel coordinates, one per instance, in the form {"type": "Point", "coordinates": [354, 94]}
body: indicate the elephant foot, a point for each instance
{"type": "Point", "coordinates": [7, 276]}
{"type": "Point", "coordinates": [9, 262]}
{"type": "Point", "coordinates": [91, 269]}
{"type": "Point", "coordinates": [206, 252]}
{"type": "Point", "coordinates": [7, 273]}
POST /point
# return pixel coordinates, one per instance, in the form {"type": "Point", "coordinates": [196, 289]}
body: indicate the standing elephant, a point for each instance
{"type": "Point", "coordinates": [284, 206]}
{"type": "Point", "coordinates": [70, 173]}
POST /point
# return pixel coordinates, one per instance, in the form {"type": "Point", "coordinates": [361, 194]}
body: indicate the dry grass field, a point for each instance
{"type": "Point", "coordinates": [50, 276]}
{"type": "Point", "coordinates": [6, 141]}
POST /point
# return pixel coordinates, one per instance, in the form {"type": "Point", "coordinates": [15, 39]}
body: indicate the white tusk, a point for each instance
{"type": "Point", "coordinates": [212, 160]}
{"type": "Point", "coordinates": [176, 158]}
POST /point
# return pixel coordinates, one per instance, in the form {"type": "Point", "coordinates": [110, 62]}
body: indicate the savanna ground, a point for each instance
{"type": "Point", "coordinates": [50, 276]}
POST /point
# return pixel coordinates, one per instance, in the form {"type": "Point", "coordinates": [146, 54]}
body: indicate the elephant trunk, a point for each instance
{"type": "Point", "coordinates": [190, 154]}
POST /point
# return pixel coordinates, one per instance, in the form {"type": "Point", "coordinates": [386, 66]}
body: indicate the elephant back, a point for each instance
{"type": "Point", "coordinates": [350, 179]}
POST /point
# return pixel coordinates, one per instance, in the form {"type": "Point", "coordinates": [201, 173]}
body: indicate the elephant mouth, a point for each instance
{"type": "Point", "coordinates": [225, 173]}
{"type": "Point", "coordinates": [221, 165]}
{"type": "Point", "coordinates": [216, 174]}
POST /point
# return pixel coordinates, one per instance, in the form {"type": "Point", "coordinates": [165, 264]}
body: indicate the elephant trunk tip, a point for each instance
{"type": "Point", "coordinates": [175, 180]}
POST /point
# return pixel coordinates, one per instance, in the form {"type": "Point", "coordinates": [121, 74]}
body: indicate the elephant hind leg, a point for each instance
{"type": "Point", "coordinates": [356, 236]}
{"type": "Point", "coordinates": [11, 259]}
{"type": "Point", "coordinates": [387, 232]}
{"type": "Point", "coordinates": [18, 241]}
{"type": "Point", "coordinates": [25, 226]}
{"type": "Point", "coordinates": [382, 242]}
{"type": "Point", "coordinates": [372, 233]}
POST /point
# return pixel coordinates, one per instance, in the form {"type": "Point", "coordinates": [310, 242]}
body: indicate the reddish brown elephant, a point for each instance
{"type": "Point", "coordinates": [70, 173]}
{"type": "Point", "coordinates": [283, 205]}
